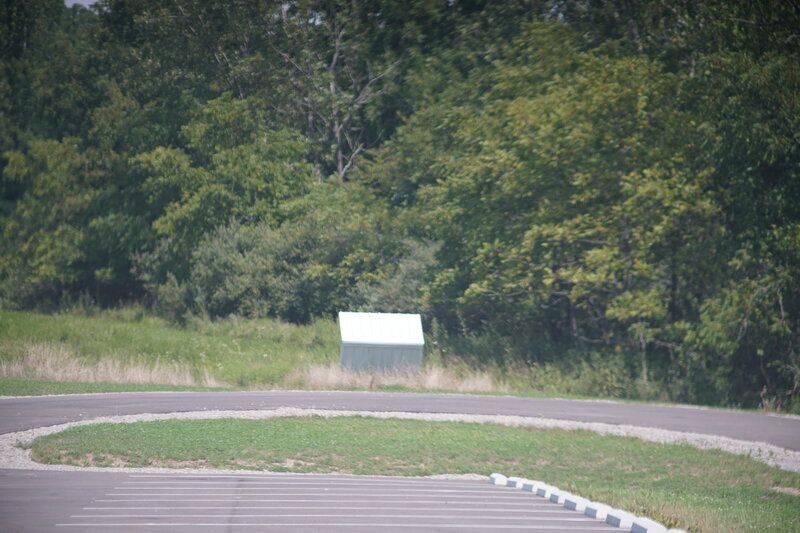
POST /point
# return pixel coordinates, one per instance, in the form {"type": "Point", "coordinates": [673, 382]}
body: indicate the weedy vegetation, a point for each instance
{"type": "Point", "coordinates": [129, 349]}
{"type": "Point", "coordinates": [130, 346]}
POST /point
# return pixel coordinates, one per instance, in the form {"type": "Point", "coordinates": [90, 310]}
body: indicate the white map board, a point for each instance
{"type": "Point", "coordinates": [381, 341]}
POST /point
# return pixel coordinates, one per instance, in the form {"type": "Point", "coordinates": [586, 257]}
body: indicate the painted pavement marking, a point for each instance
{"type": "Point", "coordinates": [423, 527]}
{"type": "Point", "coordinates": [315, 502]}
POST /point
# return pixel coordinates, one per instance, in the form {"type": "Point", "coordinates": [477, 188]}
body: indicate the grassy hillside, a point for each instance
{"type": "Point", "coordinates": [84, 351]}
{"type": "Point", "coordinates": [128, 349]}
{"type": "Point", "coordinates": [129, 346]}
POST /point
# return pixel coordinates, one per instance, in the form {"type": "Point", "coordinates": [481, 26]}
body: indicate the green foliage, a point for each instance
{"type": "Point", "coordinates": [610, 178]}
{"type": "Point", "coordinates": [580, 205]}
{"type": "Point", "coordinates": [241, 172]}
{"type": "Point", "coordinates": [332, 239]}
{"type": "Point", "coordinates": [400, 290]}
{"type": "Point", "coordinates": [47, 232]}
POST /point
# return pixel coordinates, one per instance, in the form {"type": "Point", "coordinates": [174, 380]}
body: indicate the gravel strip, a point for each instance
{"type": "Point", "coordinates": [16, 458]}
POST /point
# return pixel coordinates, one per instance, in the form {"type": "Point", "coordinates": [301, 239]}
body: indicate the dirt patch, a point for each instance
{"type": "Point", "coordinates": [105, 460]}
{"type": "Point", "coordinates": [786, 490]}
{"type": "Point", "coordinates": [170, 463]}
{"type": "Point", "coordinates": [294, 463]}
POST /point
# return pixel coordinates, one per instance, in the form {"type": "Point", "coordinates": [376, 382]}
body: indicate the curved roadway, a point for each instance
{"type": "Point", "coordinates": [18, 414]}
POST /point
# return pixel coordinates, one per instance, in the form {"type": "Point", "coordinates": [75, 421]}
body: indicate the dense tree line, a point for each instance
{"type": "Point", "coordinates": [577, 179]}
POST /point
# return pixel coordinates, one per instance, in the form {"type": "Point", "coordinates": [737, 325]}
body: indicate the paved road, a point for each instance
{"type": "Point", "coordinates": [23, 413]}
{"type": "Point", "coordinates": [85, 501]}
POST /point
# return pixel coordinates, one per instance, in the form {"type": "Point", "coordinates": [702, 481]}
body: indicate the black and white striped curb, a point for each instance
{"type": "Point", "coordinates": [615, 517]}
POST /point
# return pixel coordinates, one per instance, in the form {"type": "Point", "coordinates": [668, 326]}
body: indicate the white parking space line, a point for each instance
{"type": "Point", "coordinates": [322, 487]}
{"type": "Point", "coordinates": [281, 481]}
{"type": "Point", "coordinates": [289, 494]}
{"type": "Point", "coordinates": [577, 517]}
{"type": "Point", "coordinates": [306, 500]}
{"type": "Point", "coordinates": [459, 526]}
{"type": "Point", "coordinates": [249, 476]}
{"type": "Point", "coordinates": [277, 503]}
{"type": "Point", "coordinates": [470, 509]}
{"type": "Point", "coordinates": [394, 500]}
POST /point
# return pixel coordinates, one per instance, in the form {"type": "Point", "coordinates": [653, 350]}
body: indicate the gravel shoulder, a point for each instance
{"type": "Point", "coordinates": [13, 457]}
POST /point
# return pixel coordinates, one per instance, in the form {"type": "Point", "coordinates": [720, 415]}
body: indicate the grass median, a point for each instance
{"type": "Point", "coordinates": [703, 491]}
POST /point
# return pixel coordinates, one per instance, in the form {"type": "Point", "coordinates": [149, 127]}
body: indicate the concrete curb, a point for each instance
{"type": "Point", "coordinates": [600, 511]}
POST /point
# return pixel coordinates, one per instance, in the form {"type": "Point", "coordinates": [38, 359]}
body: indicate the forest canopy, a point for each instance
{"type": "Point", "coordinates": [600, 180]}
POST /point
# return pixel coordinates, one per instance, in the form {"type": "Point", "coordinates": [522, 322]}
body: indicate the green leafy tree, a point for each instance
{"type": "Point", "coordinates": [234, 168]}
{"type": "Point", "coordinates": [332, 240]}
{"type": "Point", "coordinates": [45, 236]}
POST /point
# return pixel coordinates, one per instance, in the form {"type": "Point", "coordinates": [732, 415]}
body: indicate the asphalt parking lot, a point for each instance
{"type": "Point", "coordinates": [72, 502]}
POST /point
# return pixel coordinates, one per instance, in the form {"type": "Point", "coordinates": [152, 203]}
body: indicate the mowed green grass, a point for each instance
{"type": "Point", "coordinates": [702, 491]}
{"type": "Point", "coordinates": [241, 353]}
{"type": "Point", "coordinates": [33, 387]}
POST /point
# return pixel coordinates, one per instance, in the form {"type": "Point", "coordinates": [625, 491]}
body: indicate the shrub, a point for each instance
{"type": "Point", "coordinates": [400, 290]}
{"type": "Point", "coordinates": [331, 241]}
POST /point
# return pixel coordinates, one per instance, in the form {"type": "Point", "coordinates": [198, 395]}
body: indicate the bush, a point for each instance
{"type": "Point", "coordinates": [400, 290]}
{"type": "Point", "coordinates": [331, 241]}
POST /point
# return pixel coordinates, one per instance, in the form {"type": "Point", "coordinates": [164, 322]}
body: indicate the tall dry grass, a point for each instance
{"type": "Point", "coordinates": [326, 377]}
{"type": "Point", "coordinates": [55, 362]}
